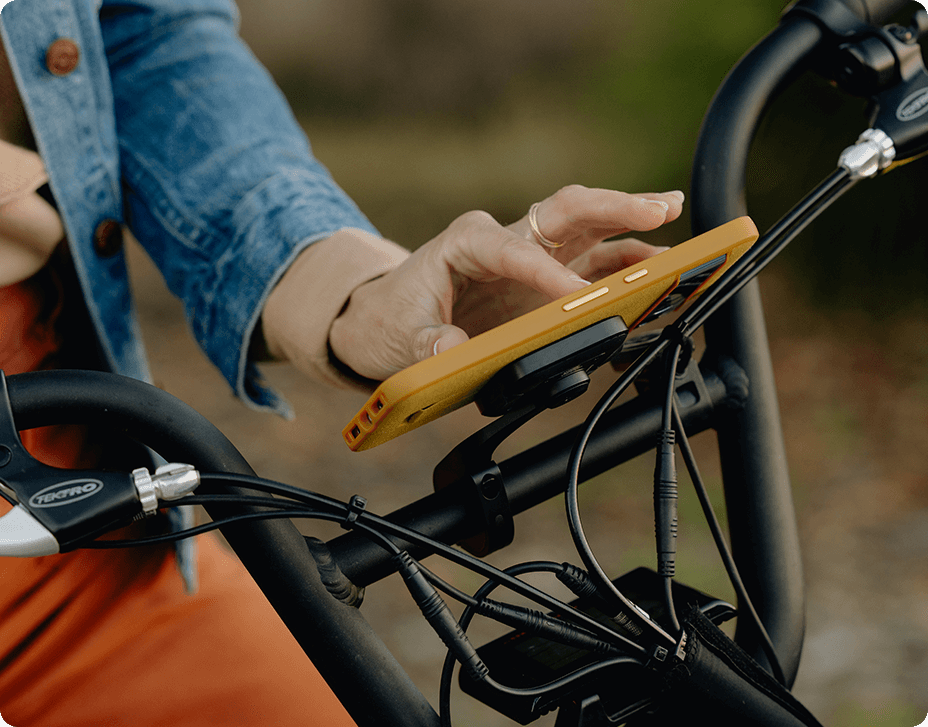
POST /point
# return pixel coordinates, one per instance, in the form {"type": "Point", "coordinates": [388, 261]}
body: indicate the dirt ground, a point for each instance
{"type": "Point", "coordinates": [855, 411]}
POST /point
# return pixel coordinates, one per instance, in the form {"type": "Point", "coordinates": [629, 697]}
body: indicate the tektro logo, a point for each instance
{"type": "Point", "coordinates": [914, 105]}
{"type": "Point", "coordinates": [65, 493]}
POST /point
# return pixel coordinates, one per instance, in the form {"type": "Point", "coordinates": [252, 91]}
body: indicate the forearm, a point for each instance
{"type": "Point", "coordinates": [220, 184]}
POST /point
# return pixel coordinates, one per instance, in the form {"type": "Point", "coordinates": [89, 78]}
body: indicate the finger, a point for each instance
{"type": "Point", "coordinates": [595, 214]}
{"type": "Point", "coordinates": [478, 248]}
{"type": "Point", "coordinates": [607, 258]}
{"type": "Point", "coordinates": [428, 341]}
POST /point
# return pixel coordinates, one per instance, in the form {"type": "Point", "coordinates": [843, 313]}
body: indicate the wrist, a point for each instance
{"type": "Point", "coordinates": [346, 340]}
{"type": "Point", "coordinates": [314, 292]}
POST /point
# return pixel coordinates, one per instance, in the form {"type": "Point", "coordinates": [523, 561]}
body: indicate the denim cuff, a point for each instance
{"type": "Point", "coordinates": [331, 270]}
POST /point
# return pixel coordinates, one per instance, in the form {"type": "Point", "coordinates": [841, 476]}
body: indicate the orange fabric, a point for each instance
{"type": "Point", "coordinates": [108, 638]}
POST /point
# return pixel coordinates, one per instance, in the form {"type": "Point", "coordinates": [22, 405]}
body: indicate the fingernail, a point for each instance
{"type": "Point", "coordinates": [656, 203]}
{"type": "Point", "coordinates": [662, 248]}
{"type": "Point", "coordinates": [678, 193]}
{"type": "Point", "coordinates": [435, 348]}
{"type": "Point", "coordinates": [578, 279]}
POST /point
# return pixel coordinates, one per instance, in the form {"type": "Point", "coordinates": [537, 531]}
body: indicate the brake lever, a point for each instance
{"type": "Point", "coordinates": [886, 65]}
{"type": "Point", "coordinates": [56, 510]}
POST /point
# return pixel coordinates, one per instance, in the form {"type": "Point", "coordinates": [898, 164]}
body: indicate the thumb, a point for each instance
{"type": "Point", "coordinates": [443, 337]}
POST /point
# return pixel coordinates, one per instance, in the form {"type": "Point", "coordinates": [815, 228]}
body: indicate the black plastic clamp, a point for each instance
{"type": "Point", "coordinates": [356, 506]}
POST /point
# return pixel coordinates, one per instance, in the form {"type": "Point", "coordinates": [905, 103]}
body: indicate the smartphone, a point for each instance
{"type": "Point", "coordinates": [637, 294]}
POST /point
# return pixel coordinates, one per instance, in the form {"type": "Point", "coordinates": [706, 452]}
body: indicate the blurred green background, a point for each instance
{"type": "Point", "coordinates": [424, 109]}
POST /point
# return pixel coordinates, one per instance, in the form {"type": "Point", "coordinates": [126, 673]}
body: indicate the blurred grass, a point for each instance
{"type": "Point", "coordinates": [892, 714]}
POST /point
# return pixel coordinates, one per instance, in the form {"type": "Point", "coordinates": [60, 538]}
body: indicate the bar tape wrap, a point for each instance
{"type": "Point", "coordinates": [720, 681]}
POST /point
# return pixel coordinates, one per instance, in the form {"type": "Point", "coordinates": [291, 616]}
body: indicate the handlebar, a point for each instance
{"type": "Point", "coordinates": [756, 479]}
{"type": "Point", "coordinates": [273, 551]}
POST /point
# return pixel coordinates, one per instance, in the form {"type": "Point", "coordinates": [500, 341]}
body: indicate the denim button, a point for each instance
{"type": "Point", "coordinates": [107, 238]}
{"type": "Point", "coordinates": [62, 56]}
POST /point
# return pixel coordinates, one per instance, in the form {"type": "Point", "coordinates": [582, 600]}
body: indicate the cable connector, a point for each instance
{"type": "Point", "coordinates": [577, 580]}
{"type": "Point", "coordinates": [536, 622]}
{"type": "Point", "coordinates": [171, 481]}
{"type": "Point", "coordinates": [873, 152]}
{"type": "Point", "coordinates": [438, 614]}
{"type": "Point", "coordinates": [665, 504]}
{"type": "Point", "coordinates": [583, 586]}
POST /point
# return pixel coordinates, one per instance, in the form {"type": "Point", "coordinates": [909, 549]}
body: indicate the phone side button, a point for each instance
{"type": "Point", "coordinates": [583, 299]}
{"type": "Point", "coordinates": [637, 275]}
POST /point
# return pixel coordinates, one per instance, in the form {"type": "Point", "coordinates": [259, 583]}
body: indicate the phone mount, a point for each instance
{"type": "Point", "coordinates": [544, 379]}
{"type": "Point", "coordinates": [554, 374]}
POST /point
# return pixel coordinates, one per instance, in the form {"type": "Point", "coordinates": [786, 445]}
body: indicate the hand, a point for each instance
{"type": "Point", "coordinates": [478, 274]}
{"type": "Point", "coordinates": [30, 229]}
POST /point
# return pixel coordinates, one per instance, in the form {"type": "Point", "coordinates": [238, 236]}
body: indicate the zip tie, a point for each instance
{"type": "Point", "coordinates": [356, 506]}
{"type": "Point", "coordinates": [676, 333]}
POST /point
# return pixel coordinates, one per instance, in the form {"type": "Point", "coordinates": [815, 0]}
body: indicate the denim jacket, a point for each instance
{"type": "Point", "coordinates": [153, 114]}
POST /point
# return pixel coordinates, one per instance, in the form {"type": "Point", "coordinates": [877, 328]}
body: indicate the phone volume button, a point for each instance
{"type": "Point", "coordinates": [583, 299]}
{"type": "Point", "coordinates": [637, 275]}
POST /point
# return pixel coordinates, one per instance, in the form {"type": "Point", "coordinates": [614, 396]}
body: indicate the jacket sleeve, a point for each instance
{"type": "Point", "coordinates": [220, 185]}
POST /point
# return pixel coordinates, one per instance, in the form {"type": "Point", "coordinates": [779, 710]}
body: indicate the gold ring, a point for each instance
{"type": "Point", "coordinates": [533, 223]}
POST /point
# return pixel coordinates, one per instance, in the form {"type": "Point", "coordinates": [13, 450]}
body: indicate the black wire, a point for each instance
{"type": "Point", "coordinates": [282, 509]}
{"type": "Point", "coordinates": [744, 599]}
{"type": "Point", "coordinates": [672, 361]}
{"type": "Point", "coordinates": [564, 681]}
{"type": "Point", "coordinates": [669, 604]}
{"type": "Point", "coordinates": [606, 587]}
{"type": "Point", "coordinates": [190, 532]}
{"type": "Point", "coordinates": [447, 669]}
{"type": "Point", "coordinates": [567, 611]}
{"type": "Point", "coordinates": [524, 692]}
{"type": "Point", "coordinates": [277, 488]}
{"type": "Point", "coordinates": [366, 521]}
{"type": "Point", "coordinates": [768, 247]}
{"type": "Point", "coordinates": [735, 278]}
{"type": "Point", "coordinates": [442, 585]}
{"type": "Point", "coordinates": [412, 536]}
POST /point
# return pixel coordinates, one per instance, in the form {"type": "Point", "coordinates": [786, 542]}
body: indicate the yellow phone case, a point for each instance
{"type": "Point", "coordinates": [440, 384]}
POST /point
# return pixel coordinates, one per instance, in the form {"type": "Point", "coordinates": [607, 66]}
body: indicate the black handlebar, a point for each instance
{"type": "Point", "coordinates": [750, 439]}
{"type": "Point", "coordinates": [274, 551]}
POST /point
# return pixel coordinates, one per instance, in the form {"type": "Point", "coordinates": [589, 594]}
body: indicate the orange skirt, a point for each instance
{"type": "Point", "coordinates": [105, 638]}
